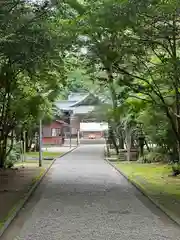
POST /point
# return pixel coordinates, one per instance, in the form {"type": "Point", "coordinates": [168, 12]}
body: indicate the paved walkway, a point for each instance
{"type": "Point", "coordinates": [83, 197]}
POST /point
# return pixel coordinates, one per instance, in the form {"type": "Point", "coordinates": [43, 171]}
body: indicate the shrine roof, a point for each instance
{"type": "Point", "coordinates": [76, 100]}
{"type": "Point", "coordinates": [80, 103]}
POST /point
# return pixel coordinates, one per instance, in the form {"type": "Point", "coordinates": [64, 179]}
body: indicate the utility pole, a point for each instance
{"type": "Point", "coordinates": [40, 143]}
{"type": "Point", "coordinates": [70, 140]}
{"type": "Point", "coordinates": [22, 151]}
{"type": "Point", "coordinates": [78, 137]}
{"type": "Point", "coordinates": [24, 146]}
{"type": "Point", "coordinates": [70, 130]}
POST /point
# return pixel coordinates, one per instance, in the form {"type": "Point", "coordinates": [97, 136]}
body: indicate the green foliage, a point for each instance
{"type": "Point", "coordinates": [31, 65]}
{"type": "Point", "coordinates": [157, 127]}
{"type": "Point", "coordinates": [14, 155]}
{"type": "Point", "coordinates": [176, 169]}
{"type": "Point", "coordinates": [153, 157]}
{"type": "Point", "coordinates": [127, 51]}
{"type": "Point", "coordinates": [136, 45]}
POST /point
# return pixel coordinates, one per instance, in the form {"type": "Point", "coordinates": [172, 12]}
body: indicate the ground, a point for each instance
{"type": "Point", "coordinates": [83, 197]}
{"type": "Point", "coordinates": [15, 183]}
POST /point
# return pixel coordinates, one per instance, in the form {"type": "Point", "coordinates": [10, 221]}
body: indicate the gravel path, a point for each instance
{"type": "Point", "coordinates": [83, 197]}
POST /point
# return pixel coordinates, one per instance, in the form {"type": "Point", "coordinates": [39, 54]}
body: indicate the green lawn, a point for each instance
{"type": "Point", "coordinates": [154, 179]}
{"type": "Point", "coordinates": [31, 159]}
{"type": "Point", "coordinates": [45, 154]}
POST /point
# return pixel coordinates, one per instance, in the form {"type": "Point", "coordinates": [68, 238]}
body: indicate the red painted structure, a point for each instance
{"type": "Point", "coordinates": [52, 134]}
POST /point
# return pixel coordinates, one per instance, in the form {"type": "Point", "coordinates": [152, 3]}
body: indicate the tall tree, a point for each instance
{"type": "Point", "coordinates": [137, 42]}
{"type": "Point", "coordinates": [31, 66]}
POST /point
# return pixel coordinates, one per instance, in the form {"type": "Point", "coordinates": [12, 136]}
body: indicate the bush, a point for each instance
{"type": "Point", "coordinates": [14, 156]}
{"type": "Point", "coordinates": [152, 157]}
{"type": "Point", "coordinates": [176, 169]}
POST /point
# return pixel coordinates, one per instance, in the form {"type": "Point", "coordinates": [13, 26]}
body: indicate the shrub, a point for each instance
{"type": "Point", "coordinates": [176, 169]}
{"type": "Point", "coordinates": [154, 156]}
{"type": "Point", "coordinates": [14, 156]}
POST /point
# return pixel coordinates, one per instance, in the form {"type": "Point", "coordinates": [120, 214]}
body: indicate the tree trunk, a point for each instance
{"type": "Point", "coordinates": [128, 140]}
{"type": "Point", "coordinates": [121, 142]}
{"type": "Point", "coordinates": [28, 141]}
{"type": "Point", "coordinates": [112, 138]}
{"type": "Point", "coordinates": [3, 148]}
{"type": "Point", "coordinates": [146, 143]}
{"type": "Point", "coordinates": [175, 59]}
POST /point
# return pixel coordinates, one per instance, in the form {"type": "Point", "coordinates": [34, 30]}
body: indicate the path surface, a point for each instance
{"type": "Point", "coordinates": [83, 197]}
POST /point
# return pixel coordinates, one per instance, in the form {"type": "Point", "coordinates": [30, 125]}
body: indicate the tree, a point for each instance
{"type": "Point", "coordinates": [137, 42]}
{"type": "Point", "coordinates": [31, 66]}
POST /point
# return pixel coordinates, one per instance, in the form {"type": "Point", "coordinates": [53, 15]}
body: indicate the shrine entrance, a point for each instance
{"type": "Point", "coordinates": [79, 109]}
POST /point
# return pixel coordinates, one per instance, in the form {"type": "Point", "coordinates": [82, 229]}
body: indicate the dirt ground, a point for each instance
{"type": "Point", "coordinates": [14, 185]}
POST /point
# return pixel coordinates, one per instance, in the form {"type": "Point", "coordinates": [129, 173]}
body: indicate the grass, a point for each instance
{"type": "Point", "coordinates": [45, 154]}
{"type": "Point", "coordinates": [38, 177]}
{"type": "Point", "coordinates": [156, 181]}
{"type": "Point", "coordinates": [10, 213]}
